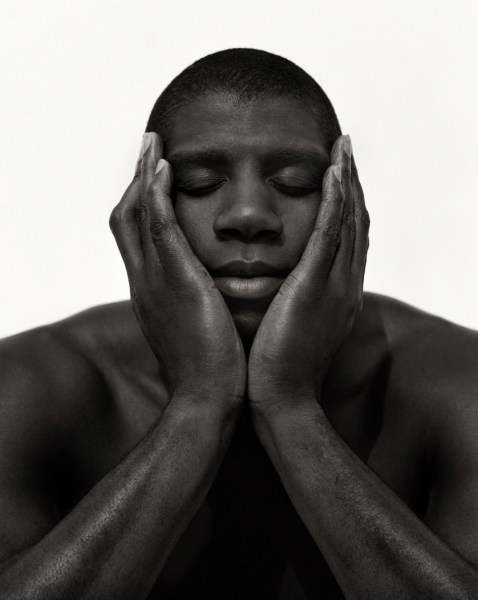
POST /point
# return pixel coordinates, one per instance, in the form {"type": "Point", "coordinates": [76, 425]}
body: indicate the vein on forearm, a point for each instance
{"type": "Point", "coordinates": [116, 540]}
{"type": "Point", "coordinates": [372, 541]}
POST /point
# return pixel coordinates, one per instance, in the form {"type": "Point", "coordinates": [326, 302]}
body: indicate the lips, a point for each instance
{"type": "Point", "coordinates": [253, 268]}
{"type": "Point", "coordinates": [244, 288]}
{"type": "Point", "coordinates": [249, 284]}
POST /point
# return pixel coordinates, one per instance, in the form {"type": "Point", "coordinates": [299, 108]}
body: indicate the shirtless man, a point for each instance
{"type": "Point", "coordinates": [254, 427]}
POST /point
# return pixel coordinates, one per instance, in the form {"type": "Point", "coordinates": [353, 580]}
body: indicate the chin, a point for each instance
{"type": "Point", "coordinates": [247, 323]}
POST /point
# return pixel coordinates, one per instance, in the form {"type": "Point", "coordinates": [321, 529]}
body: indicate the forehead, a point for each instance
{"type": "Point", "coordinates": [221, 123]}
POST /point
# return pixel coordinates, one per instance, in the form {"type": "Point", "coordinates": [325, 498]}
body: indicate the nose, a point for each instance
{"type": "Point", "coordinates": [247, 213]}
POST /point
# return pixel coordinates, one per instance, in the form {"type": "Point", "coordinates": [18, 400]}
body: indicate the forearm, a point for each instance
{"type": "Point", "coordinates": [114, 543]}
{"type": "Point", "coordinates": [374, 544]}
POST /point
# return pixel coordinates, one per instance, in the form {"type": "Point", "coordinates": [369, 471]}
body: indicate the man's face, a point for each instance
{"type": "Point", "coordinates": [248, 180]}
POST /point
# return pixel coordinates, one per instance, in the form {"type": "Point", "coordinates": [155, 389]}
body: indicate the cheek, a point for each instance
{"type": "Point", "coordinates": [299, 222]}
{"type": "Point", "coordinates": [195, 219]}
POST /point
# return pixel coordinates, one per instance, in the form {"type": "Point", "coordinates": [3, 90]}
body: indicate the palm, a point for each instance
{"type": "Point", "coordinates": [315, 307]}
{"type": "Point", "coordinates": [284, 352]}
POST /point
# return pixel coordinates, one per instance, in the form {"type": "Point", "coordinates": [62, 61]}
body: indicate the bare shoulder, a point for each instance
{"type": "Point", "coordinates": [433, 372]}
{"type": "Point", "coordinates": [426, 348]}
{"type": "Point", "coordinates": [57, 399]}
{"type": "Point", "coordinates": [46, 369]}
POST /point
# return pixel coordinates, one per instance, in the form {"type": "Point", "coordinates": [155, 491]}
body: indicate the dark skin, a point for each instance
{"type": "Point", "coordinates": [318, 443]}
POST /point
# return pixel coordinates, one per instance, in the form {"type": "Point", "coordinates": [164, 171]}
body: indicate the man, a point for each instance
{"type": "Point", "coordinates": [258, 428]}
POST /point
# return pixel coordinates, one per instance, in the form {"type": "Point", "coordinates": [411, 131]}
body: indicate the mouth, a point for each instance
{"type": "Point", "coordinates": [249, 288]}
{"type": "Point", "coordinates": [249, 284]}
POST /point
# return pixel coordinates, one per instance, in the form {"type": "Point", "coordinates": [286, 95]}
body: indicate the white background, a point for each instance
{"type": "Point", "coordinates": [80, 77]}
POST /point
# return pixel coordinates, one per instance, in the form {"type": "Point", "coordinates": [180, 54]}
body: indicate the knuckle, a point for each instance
{"type": "Point", "coordinates": [154, 188]}
{"type": "Point", "coordinates": [364, 217]}
{"type": "Point", "coordinates": [331, 232]}
{"type": "Point", "coordinates": [346, 173]}
{"type": "Point", "coordinates": [351, 221]}
{"type": "Point", "coordinates": [142, 213]}
{"type": "Point", "coordinates": [160, 228]}
{"type": "Point", "coordinates": [116, 219]}
{"type": "Point", "coordinates": [137, 170]}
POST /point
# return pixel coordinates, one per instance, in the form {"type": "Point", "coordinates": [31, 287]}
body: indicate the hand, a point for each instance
{"type": "Point", "coordinates": [315, 307]}
{"type": "Point", "coordinates": [181, 312]}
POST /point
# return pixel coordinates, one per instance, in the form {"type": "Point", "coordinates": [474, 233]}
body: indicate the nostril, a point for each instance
{"type": "Point", "coordinates": [265, 234]}
{"type": "Point", "coordinates": [245, 223]}
{"type": "Point", "coordinates": [257, 236]}
{"type": "Point", "coordinates": [230, 234]}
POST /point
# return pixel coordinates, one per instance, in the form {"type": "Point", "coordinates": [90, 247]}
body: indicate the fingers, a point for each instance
{"type": "Point", "coordinates": [130, 217]}
{"type": "Point", "coordinates": [342, 155]}
{"type": "Point", "coordinates": [124, 227]}
{"type": "Point", "coordinates": [349, 264]}
{"type": "Point", "coordinates": [330, 247]}
{"type": "Point", "coordinates": [319, 253]}
{"type": "Point", "coordinates": [362, 220]}
{"type": "Point", "coordinates": [151, 153]}
{"type": "Point", "coordinates": [144, 222]}
{"type": "Point", "coordinates": [173, 250]}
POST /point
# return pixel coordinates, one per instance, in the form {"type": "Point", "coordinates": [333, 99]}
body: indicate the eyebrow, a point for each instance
{"type": "Point", "coordinates": [194, 157]}
{"type": "Point", "coordinates": [293, 155]}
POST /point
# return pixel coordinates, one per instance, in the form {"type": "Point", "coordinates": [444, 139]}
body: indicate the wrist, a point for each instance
{"type": "Point", "coordinates": [206, 387]}
{"type": "Point", "coordinates": [283, 409]}
{"type": "Point", "coordinates": [281, 428]}
{"type": "Point", "coordinates": [203, 419]}
{"type": "Point", "coordinates": [267, 394]}
{"type": "Point", "coordinates": [205, 404]}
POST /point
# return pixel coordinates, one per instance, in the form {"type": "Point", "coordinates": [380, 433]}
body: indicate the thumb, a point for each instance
{"type": "Point", "coordinates": [173, 249]}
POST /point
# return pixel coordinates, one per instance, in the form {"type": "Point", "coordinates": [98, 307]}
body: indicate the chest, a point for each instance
{"type": "Point", "coordinates": [247, 541]}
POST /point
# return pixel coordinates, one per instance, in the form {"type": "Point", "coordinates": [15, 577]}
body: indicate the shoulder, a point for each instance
{"type": "Point", "coordinates": [433, 373]}
{"type": "Point", "coordinates": [426, 348]}
{"type": "Point", "coordinates": [46, 369]}
{"type": "Point", "coordinates": [64, 347]}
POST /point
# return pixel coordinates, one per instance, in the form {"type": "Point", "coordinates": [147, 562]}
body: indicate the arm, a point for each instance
{"type": "Point", "coordinates": [374, 544]}
{"type": "Point", "coordinates": [115, 541]}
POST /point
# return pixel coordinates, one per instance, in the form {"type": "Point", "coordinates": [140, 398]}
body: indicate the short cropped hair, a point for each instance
{"type": "Point", "coordinates": [248, 75]}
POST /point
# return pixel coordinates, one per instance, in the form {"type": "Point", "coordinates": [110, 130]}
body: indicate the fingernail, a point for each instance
{"type": "Point", "coordinates": [337, 169]}
{"type": "Point", "coordinates": [347, 145]}
{"type": "Point", "coordinates": [145, 144]}
{"type": "Point", "coordinates": [160, 165]}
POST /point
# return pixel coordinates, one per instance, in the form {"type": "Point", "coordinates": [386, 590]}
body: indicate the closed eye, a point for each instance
{"type": "Point", "coordinates": [294, 190]}
{"type": "Point", "coordinates": [203, 190]}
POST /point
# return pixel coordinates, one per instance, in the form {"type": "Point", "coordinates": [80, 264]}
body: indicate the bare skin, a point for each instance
{"type": "Point", "coordinates": [146, 454]}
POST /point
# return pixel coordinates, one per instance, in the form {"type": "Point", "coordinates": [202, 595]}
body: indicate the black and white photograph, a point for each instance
{"type": "Point", "coordinates": [239, 325]}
